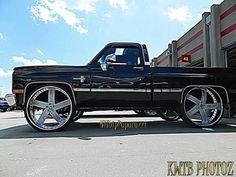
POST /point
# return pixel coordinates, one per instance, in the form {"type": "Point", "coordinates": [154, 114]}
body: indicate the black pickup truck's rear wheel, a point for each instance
{"type": "Point", "coordinates": [49, 108]}
{"type": "Point", "coordinates": [202, 107]}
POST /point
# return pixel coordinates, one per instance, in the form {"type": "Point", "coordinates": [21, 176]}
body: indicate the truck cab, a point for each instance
{"type": "Point", "coordinates": [118, 70]}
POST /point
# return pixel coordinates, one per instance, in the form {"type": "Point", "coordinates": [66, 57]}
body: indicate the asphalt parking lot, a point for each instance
{"type": "Point", "coordinates": [86, 149]}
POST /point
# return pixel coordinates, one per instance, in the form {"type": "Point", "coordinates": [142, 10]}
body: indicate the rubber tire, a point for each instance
{"type": "Point", "coordinates": [78, 115]}
{"type": "Point", "coordinates": [36, 128]}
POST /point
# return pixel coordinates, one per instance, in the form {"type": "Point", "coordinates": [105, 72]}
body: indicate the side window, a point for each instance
{"type": "Point", "coordinates": [128, 55]}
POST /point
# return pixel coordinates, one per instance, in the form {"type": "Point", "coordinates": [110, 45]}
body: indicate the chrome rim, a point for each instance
{"type": "Point", "coordinates": [203, 106]}
{"type": "Point", "coordinates": [49, 108]}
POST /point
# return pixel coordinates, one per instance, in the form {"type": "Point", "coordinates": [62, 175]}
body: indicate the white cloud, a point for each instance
{"type": "Point", "coordinates": [51, 11]}
{"type": "Point", "coordinates": [87, 6]}
{"type": "Point", "coordinates": [1, 36]}
{"type": "Point", "coordinates": [5, 73]}
{"type": "Point", "coordinates": [28, 62]}
{"type": "Point", "coordinates": [118, 4]}
{"type": "Point", "coordinates": [108, 15]}
{"type": "Point", "coordinates": [55, 10]}
{"type": "Point", "coordinates": [179, 14]}
{"type": "Point", "coordinates": [39, 52]}
{"type": "Point", "coordinates": [43, 13]}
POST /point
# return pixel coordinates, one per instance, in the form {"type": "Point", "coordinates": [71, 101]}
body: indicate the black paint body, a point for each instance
{"type": "Point", "coordinates": [123, 86]}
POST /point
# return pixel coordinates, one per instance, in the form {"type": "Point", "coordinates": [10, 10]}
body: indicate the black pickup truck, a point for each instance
{"type": "Point", "coordinates": [119, 77]}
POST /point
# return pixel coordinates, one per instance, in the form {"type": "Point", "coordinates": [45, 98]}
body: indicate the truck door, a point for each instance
{"type": "Point", "coordinates": [120, 78]}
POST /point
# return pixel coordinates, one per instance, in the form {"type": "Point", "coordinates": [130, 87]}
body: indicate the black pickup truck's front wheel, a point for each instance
{"type": "Point", "coordinates": [202, 107]}
{"type": "Point", "coordinates": [49, 108]}
{"type": "Point", "coordinates": [78, 115]}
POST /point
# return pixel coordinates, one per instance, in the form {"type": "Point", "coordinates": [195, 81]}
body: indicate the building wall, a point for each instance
{"type": "Point", "coordinates": [191, 43]}
{"type": "Point", "coordinates": [162, 60]}
{"type": "Point", "coordinates": [228, 22]}
{"type": "Point", "coordinates": [207, 41]}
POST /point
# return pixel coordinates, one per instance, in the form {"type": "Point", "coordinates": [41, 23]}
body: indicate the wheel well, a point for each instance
{"type": "Point", "coordinates": [32, 86]}
{"type": "Point", "coordinates": [220, 90]}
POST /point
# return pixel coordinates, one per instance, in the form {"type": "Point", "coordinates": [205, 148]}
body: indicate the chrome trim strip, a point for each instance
{"type": "Point", "coordinates": [81, 89]}
{"type": "Point", "coordinates": [118, 90]}
{"type": "Point", "coordinates": [48, 82]}
{"type": "Point", "coordinates": [118, 64]}
{"type": "Point", "coordinates": [157, 90]}
{"type": "Point", "coordinates": [165, 90]}
{"type": "Point", "coordinates": [181, 75]}
{"type": "Point", "coordinates": [111, 90]}
{"type": "Point", "coordinates": [160, 83]}
{"type": "Point", "coordinates": [176, 90]}
{"type": "Point", "coordinates": [170, 90]}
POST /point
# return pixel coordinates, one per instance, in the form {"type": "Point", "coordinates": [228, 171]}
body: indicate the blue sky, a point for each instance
{"type": "Point", "coordinates": [36, 32]}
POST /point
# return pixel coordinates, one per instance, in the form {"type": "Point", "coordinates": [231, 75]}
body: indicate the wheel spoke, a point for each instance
{"type": "Point", "coordinates": [204, 96]}
{"type": "Point", "coordinates": [192, 111]}
{"type": "Point", "coordinates": [203, 116]}
{"type": "Point", "coordinates": [51, 96]}
{"type": "Point", "coordinates": [213, 106]}
{"type": "Point", "coordinates": [42, 118]}
{"type": "Point", "coordinates": [62, 104]}
{"type": "Point", "coordinates": [57, 117]}
{"type": "Point", "coordinates": [39, 104]}
{"type": "Point", "coordinates": [193, 99]}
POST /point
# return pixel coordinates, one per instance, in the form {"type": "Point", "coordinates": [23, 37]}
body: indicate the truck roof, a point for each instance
{"type": "Point", "coordinates": [124, 44]}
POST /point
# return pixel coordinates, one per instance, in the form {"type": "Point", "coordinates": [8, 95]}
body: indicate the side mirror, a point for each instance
{"type": "Point", "coordinates": [108, 61]}
{"type": "Point", "coordinates": [104, 66]}
{"type": "Point", "coordinates": [110, 58]}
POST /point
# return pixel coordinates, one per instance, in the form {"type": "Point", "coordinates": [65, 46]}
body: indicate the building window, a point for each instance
{"type": "Point", "coordinates": [198, 63]}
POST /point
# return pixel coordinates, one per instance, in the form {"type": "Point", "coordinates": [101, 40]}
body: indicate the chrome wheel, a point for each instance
{"type": "Point", "coordinates": [202, 107]}
{"type": "Point", "coordinates": [49, 108]}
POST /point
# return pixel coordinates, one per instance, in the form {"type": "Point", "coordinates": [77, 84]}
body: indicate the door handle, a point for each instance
{"type": "Point", "coordinates": [138, 68]}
